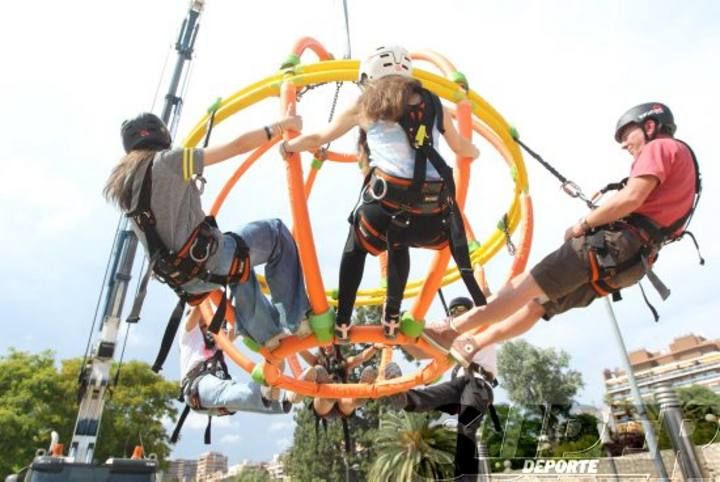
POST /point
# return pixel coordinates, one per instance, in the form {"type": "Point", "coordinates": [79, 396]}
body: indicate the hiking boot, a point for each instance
{"type": "Point", "coordinates": [464, 349]}
{"type": "Point", "coordinates": [342, 332]}
{"type": "Point", "coordinates": [399, 400]}
{"type": "Point", "coordinates": [440, 335]}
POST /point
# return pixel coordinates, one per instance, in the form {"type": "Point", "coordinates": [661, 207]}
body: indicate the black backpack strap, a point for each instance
{"type": "Point", "coordinates": [176, 433]}
{"type": "Point", "coordinates": [169, 335]}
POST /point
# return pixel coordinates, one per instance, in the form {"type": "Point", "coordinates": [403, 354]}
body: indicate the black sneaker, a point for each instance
{"type": "Point", "coordinates": [391, 326]}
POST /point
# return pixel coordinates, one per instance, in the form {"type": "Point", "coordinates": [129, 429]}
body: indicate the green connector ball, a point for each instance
{"type": "Point", "coordinates": [291, 61]}
{"type": "Point", "coordinates": [383, 283]}
{"type": "Point", "coordinates": [334, 294]}
{"type": "Point", "coordinates": [251, 344]}
{"type": "Point", "coordinates": [215, 106]}
{"type": "Point", "coordinates": [323, 325]}
{"type": "Point", "coordinates": [514, 133]}
{"type": "Point", "coordinates": [257, 374]}
{"type": "Point", "coordinates": [473, 245]}
{"type": "Point", "coordinates": [410, 326]}
{"type": "Point", "coordinates": [460, 79]}
{"type": "Point", "coordinates": [316, 164]}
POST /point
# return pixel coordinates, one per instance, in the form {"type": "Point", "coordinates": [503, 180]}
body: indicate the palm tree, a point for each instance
{"type": "Point", "coordinates": [410, 449]}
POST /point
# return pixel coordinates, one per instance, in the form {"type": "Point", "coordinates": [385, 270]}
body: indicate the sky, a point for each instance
{"type": "Point", "coordinates": [562, 72]}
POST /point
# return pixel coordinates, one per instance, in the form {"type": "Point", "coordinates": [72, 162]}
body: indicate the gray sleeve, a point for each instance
{"type": "Point", "coordinates": [182, 162]}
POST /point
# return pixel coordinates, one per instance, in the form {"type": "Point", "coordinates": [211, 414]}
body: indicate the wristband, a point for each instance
{"type": "Point", "coordinates": [268, 132]}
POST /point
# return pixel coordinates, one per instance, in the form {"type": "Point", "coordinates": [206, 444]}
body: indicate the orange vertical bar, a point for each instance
{"type": "Point", "coordinates": [298, 205]}
{"type": "Point", "coordinates": [462, 179]}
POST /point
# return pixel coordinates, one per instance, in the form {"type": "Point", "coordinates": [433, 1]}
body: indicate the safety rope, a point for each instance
{"type": "Point", "coordinates": [570, 187]}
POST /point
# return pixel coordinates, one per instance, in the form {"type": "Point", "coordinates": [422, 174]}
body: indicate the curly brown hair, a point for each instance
{"type": "Point", "coordinates": [387, 98]}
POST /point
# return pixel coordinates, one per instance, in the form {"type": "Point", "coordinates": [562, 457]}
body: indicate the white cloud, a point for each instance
{"type": "Point", "coordinates": [230, 439]}
{"type": "Point", "coordinates": [196, 421]}
{"type": "Point", "coordinates": [280, 426]}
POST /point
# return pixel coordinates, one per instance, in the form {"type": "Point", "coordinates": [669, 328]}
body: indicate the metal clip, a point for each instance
{"type": "Point", "coordinates": [371, 189]}
{"type": "Point", "coordinates": [204, 257]}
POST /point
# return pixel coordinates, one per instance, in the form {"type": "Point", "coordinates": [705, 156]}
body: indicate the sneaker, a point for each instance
{"type": "Point", "coordinates": [308, 375]}
{"type": "Point", "coordinates": [368, 375]}
{"type": "Point", "coordinates": [322, 375]}
{"type": "Point", "coordinates": [391, 326]}
{"type": "Point", "coordinates": [463, 350]}
{"type": "Point", "coordinates": [440, 336]}
{"type": "Point", "coordinates": [342, 332]}
{"type": "Point", "coordinates": [399, 400]}
{"type": "Point", "coordinates": [303, 330]}
{"type": "Point", "coordinates": [274, 342]}
{"type": "Point", "coordinates": [270, 393]}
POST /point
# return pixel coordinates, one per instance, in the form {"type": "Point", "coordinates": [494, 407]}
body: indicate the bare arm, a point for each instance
{"type": "Point", "coordinates": [624, 202]}
{"type": "Point", "coordinates": [309, 358]}
{"type": "Point", "coordinates": [249, 140]}
{"type": "Point", "coordinates": [192, 319]}
{"type": "Point", "coordinates": [310, 142]}
{"type": "Point", "coordinates": [457, 143]}
{"type": "Point", "coordinates": [357, 360]}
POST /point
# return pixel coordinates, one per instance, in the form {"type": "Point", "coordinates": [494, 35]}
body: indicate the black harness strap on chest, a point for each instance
{"type": "Point", "coordinates": [177, 268]}
{"type": "Point", "coordinates": [418, 124]}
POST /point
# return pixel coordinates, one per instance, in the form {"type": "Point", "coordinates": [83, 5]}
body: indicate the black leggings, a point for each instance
{"type": "Point", "coordinates": [421, 231]}
{"type": "Point", "coordinates": [352, 266]}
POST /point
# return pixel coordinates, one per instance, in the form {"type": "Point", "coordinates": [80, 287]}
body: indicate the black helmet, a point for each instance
{"type": "Point", "coordinates": [460, 301]}
{"type": "Point", "coordinates": [660, 113]}
{"type": "Point", "coordinates": [146, 131]}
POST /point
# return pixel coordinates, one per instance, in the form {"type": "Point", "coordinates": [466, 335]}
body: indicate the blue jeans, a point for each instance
{"type": "Point", "coordinates": [234, 396]}
{"type": "Point", "coordinates": [271, 244]}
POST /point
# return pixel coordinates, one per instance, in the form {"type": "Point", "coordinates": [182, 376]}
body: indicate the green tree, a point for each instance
{"type": "Point", "coordinates": [410, 448]}
{"type": "Point", "coordinates": [36, 398]}
{"type": "Point", "coordinates": [534, 377]}
{"type": "Point", "coordinates": [253, 474]}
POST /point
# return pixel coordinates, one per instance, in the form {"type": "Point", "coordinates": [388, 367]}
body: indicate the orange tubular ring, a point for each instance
{"type": "Point", "coordinates": [269, 371]}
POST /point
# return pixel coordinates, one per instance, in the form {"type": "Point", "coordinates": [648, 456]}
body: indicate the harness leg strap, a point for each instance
{"type": "Point", "coordinates": [654, 280]}
{"type": "Point", "coordinates": [170, 332]}
{"type": "Point", "coordinates": [176, 433]}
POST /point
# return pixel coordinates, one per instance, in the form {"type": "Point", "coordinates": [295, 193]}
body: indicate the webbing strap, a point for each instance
{"type": "Point", "coordinates": [176, 433]}
{"type": "Point", "coordinates": [169, 335]}
{"type": "Point", "coordinates": [219, 316]}
{"type": "Point", "coordinates": [208, 429]}
{"type": "Point", "coordinates": [134, 315]}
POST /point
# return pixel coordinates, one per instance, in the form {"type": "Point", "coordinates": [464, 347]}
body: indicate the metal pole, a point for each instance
{"type": "Point", "coordinates": [672, 418]}
{"type": "Point", "coordinates": [484, 461]}
{"type": "Point", "coordinates": [639, 407]}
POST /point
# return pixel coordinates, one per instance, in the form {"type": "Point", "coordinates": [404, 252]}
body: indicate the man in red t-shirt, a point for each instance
{"type": "Point", "coordinates": [601, 253]}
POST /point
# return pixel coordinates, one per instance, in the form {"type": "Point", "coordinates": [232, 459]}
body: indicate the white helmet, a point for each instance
{"type": "Point", "coordinates": [384, 61]}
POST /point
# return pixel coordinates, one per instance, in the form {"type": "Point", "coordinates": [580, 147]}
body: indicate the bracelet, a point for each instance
{"type": "Point", "coordinates": [268, 132]}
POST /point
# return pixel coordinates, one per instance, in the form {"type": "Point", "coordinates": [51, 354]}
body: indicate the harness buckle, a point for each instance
{"type": "Point", "coordinates": [383, 192]}
{"type": "Point", "coordinates": [571, 189]}
{"type": "Point", "coordinates": [199, 259]}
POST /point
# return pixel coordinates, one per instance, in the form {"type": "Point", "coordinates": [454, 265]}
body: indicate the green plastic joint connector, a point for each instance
{"type": "Point", "coordinates": [514, 173]}
{"type": "Point", "coordinates": [383, 283]}
{"type": "Point", "coordinates": [251, 344]}
{"type": "Point", "coordinates": [460, 79]}
{"type": "Point", "coordinates": [514, 133]}
{"type": "Point", "coordinates": [257, 374]}
{"type": "Point", "coordinates": [316, 164]}
{"type": "Point", "coordinates": [501, 225]}
{"type": "Point", "coordinates": [323, 325]}
{"type": "Point", "coordinates": [291, 61]}
{"type": "Point", "coordinates": [473, 245]}
{"type": "Point", "coordinates": [214, 106]}
{"type": "Point", "coordinates": [410, 326]}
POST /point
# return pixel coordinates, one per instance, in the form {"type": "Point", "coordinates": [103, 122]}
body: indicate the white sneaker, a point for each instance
{"type": "Point", "coordinates": [270, 393]}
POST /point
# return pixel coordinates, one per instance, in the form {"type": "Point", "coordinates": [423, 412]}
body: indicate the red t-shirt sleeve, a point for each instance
{"type": "Point", "coordinates": [652, 161]}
